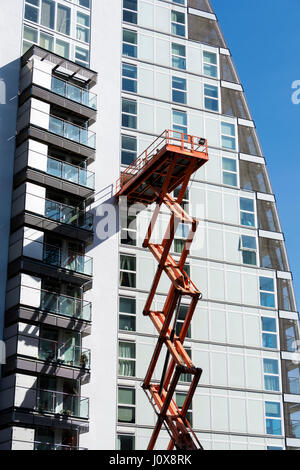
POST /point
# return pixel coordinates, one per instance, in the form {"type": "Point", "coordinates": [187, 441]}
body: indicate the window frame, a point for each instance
{"type": "Point", "coordinates": [230, 172]}
{"type": "Point", "coordinates": [180, 91]}
{"type": "Point", "coordinates": [130, 359]}
{"type": "Point", "coordinates": [189, 414]}
{"type": "Point", "coordinates": [245, 249]}
{"type": "Point", "coordinates": [123, 149]}
{"type": "Point", "coordinates": [127, 78]}
{"type": "Point", "coordinates": [232, 137]}
{"type": "Point", "coordinates": [273, 418]}
{"type": "Point", "coordinates": [177, 25]}
{"type": "Point", "coordinates": [245, 211]}
{"type": "Point", "coordinates": [123, 113]}
{"type": "Point", "coordinates": [126, 405]}
{"type": "Point", "coordinates": [126, 314]}
{"type": "Point", "coordinates": [129, 271]}
{"type": "Point", "coordinates": [130, 44]}
{"type": "Point", "coordinates": [132, 436]}
{"type": "Point", "coordinates": [178, 127]}
{"type": "Point", "coordinates": [178, 57]}
{"type": "Point", "coordinates": [269, 333]}
{"type": "Point", "coordinates": [271, 374]}
{"type": "Point", "coordinates": [264, 291]}
{"type": "Point", "coordinates": [211, 98]}
{"type": "Point", "coordinates": [134, 12]}
{"type": "Point", "coordinates": [205, 63]}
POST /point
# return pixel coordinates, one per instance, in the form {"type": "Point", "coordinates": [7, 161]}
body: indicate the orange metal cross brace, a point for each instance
{"type": "Point", "coordinates": [167, 163]}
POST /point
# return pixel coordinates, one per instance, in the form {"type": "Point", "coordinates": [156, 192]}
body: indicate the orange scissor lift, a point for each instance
{"type": "Point", "coordinates": [165, 165]}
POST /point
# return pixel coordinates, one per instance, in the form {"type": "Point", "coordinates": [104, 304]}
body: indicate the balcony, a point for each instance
{"type": "Point", "coordinates": [73, 406]}
{"type": "Point", "coordinates": [54, 256]}
{"type": "Point", "coordinates": [294, 385]}
{"type": "Point", "coordinates": [73, 92]}
{"type": "Point", "coordinates": [66, 306]}
{"type": "Point", "coordinates": [64, 354]}
{"type": "Point", "coordinates": [72, 132]}
{"type": "Point", "coordinates": [294, 429]}
{"type": "Point", "coordinates": [38, 445]}
{"type": "Point", "coordinates": [71, 173]}
{"type": "Point", "coordinates": [67, 214]}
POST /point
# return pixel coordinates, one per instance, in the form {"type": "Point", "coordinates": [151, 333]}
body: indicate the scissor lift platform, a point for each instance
{"type": "Point", "coordinates": [166, 164]}
{"type": "Point", "coordinates": [143, 180]}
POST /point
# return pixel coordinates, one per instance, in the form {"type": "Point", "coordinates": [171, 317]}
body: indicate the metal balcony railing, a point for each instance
{"type": "Point", "coordinates": [294, 385]}
{"type": "Point", "coordinates": [73, 92]}
{"type": "Point", "coordinates": [294, 428]}
{"type": "Point", "coordinates": [74, 406]}
{"type": "Point", "coordinates": [67, 306]}
{"type": "Point", "coordinates": [66, 353]}
{"type": "Point", "coordinates": [72, 132]}
{"type": "Point", "coordinates": [39, 445]}
{"type": "Point", "coordinates": [69, 172]}
{"type": "Point", "coordinates": [67, 214]}
{"type": "Point", "coordinates": [72, 261]}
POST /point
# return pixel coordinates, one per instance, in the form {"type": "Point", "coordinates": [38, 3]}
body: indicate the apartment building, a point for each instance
{"type": "Point", "coordinates": [88, 85]}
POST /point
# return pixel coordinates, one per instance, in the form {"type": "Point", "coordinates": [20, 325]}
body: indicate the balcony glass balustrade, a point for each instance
{"type": "Point", "coordinates": [71, 173]}
{"type": "Point", "coordinates": [294, 429]}
{"type": "Point", "coordinates": [294, 385]}
{"type": "Point", "coordinates": [66, 306]}
{"type": "Point", "coordinates": [73, 92]}
{"type": "Point", "coordinates": [71, 131]}
{"type": "Point", "coordinates": [48, 401]}
{"type": "Point", "coordinates": [66, 354]}
{"type": "Point", "coordinates": [38, 445]}
{"type": "Point", "coordinates": [68, 215]}
{"type": "Point", "coordinates": [72, 261]}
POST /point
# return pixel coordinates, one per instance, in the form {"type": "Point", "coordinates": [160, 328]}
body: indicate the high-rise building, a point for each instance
{"type": "Point", "coordinates": [85, 87]}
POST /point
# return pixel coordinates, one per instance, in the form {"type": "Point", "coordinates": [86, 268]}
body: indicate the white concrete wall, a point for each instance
{"type": "Point", "coordinates": [103, 344]}
{"type": "Point", "coordinates": [10, 38]}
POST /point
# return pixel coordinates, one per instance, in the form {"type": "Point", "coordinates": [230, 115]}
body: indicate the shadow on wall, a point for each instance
{"type": "Point", "coordinates": [106, 215]}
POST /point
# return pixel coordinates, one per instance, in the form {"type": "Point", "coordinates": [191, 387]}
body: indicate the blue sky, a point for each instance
{"type": "Point", "coordinates": [264, 37]}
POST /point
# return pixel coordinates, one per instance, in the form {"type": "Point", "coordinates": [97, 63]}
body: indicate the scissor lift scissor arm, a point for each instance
{"type": "Point", "coordinates": [169, 162]}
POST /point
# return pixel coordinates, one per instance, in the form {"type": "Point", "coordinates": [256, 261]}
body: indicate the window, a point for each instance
{"type": "Point", "coordinates": [130, 11]}
{"type": "Point", "coordinates": [129, 149]}
{"type": "Point", "coordinates": [32, 10]}
{"type": "Point", "coordinates": [181, 235]}
{"type": "Point", "coordinates": [82, 56]}
{"type": "Point", "coordinates": [84, 3]}
{"type": "Point", "coordinates": [126, 405]}
{"type": "Point", "coordinates": [185, 200]}
{"type": "Point", "coordinates": [179, 2]}
{"type": "Point", "coordinates": [187, 377]}
{"type": "Point", "coordinates": [178, 56]}
{"type": "Point", "coordinates": [247, 212]}
{"type": "Point", "coordinates": [180, 399]}
{"type": "Point", "coordinates": [127, 315]}
{"type": "Point", "coordinates": [129, 78]}
{"type": "Point", "coordinates": [179, 90]}
{"type": "Point", "coordinates": [211, 98]}
{"type": "Point", "coordinates": [228, 136]}
{"type": "Point", "coordinates": [183, 309]}
{"type": "Point", "coordinates": [273, 418]}
{"type": "Point", "coordinates": [83, 27]}
{"type": "Point", "coordinates": [267, 296]}
{"type": "Point", "coordinates": [274, 448]}
{"type": "Point", "coordinates": [129, 113]}
{"type": "Point", "coordinates": [128, 230]}
{"type": "Point", "coordinates": [30, 36]}
{"type": "Point", "coordinates": [46, 41]}
{"type": "Point", "coordinates": [48, 13]}
{"type": "Point", "coordinates": [62, 48]}
{"type": "Point", "coordinates": [127, 271]}
{"type": "Point", "coordinates": [248, 248]}
{"type": "Point", "coordinates": [178, 23]}
{"type": "Point", "coordinates": [179, 121]}
{"type": "Point", "coordinates": [229, 171]}
{"type": "Point", "coordinates": [126, 442]}
{"type": "Point", "coordinates": [63, 19]}
{"type": "Point", "coordinates": [126, 359]}
{"type": "Point", "coordinates": [129, 43]}
{"type": "Point", "coordinates": [269, 332]}
{"type": "Point", "coordinates": [210, 64]}
{"type": "Point", "coordinates": [271, 375]}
